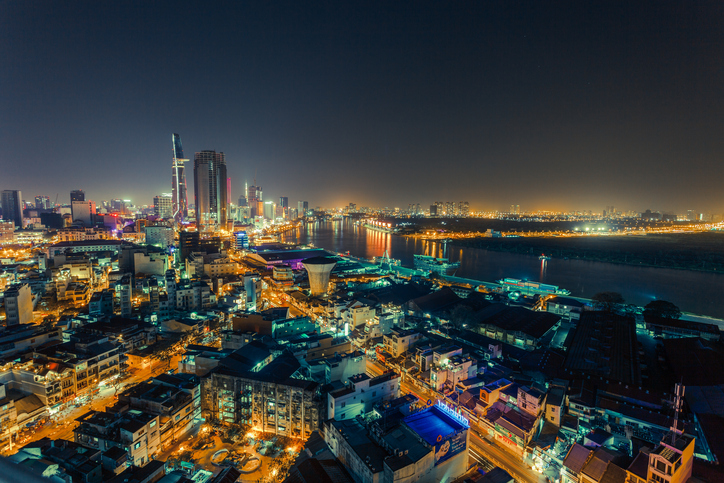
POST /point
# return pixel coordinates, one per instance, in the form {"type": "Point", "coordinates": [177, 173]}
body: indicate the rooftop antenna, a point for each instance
{"type": "Point", "coordinates": [678, 394]}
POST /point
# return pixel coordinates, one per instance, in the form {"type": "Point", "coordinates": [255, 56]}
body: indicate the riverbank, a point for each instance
{"type": "Point", "coordinates": [691, 251]}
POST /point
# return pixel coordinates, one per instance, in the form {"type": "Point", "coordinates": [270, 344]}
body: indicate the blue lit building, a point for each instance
{"type": "Point", "coordinates": [427, 446]}
{"type": "Point", "coordinates": [242, 240]}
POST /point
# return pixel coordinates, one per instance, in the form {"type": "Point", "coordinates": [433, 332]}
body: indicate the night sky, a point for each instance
{"type": "Point", "coordinates": [548, 105]}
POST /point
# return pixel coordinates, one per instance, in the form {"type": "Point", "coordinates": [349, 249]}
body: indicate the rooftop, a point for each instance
{"type": "Point", "coordinates": [433, 425]}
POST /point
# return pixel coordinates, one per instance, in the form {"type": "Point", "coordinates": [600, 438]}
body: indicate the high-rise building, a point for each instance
{"type": "Point", "coordinates": [13, 207]}
{"type": "Point", "coordinates": [163, 206]}
{"type": "Point", "coordinates": [210, 185]}
{"type": "Point", "coordinates": [188, 243]}
{"type": "Point", "coordinates": [463, 208]}
{"type": "Point", "coordinates": [269, 210]}
{"type": "Point", "coordinates": [77, 195]}
{"type": "Point", "coordinates": [83, 211]}
{"type": "Point", "coordinates": [160, 236]}
{"type": "Point", "coordinates": [180, 209]}
{"type": "Point", "coordinates": [42, 203]}
{"type": "Point", "coordinates": [124, 289]}
{"type": "Point", "coordinates": [255, 199]}
{"type": "Point", "coordinates": [283, 207]}
{"type": "Point", "coordinates": [302, 208]}
{"type": "Point", "coordinates": [242, 201]}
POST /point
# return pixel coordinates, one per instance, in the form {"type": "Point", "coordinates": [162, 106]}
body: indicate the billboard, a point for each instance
{"type": "Point", "coordinates": [444, 450]}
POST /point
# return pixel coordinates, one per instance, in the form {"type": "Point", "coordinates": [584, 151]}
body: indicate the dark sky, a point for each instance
{"type": "Point", "coordinates": [548, 105]}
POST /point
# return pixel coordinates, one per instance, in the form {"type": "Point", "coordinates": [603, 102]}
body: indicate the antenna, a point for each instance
{"type": "Point", "coordinates": [255, 169]}
{"type": "Point", "coordinates": [678, 394]}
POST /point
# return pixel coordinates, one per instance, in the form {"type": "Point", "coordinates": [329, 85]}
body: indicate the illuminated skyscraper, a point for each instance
{"type": "Point", "coordinates": [178, 180]}
{"type": "Point", "coordinates": [210, 185]}
{"type": "Point", "coordinates": [42, 203]}
{"type": "Point", "coordinates": [254, 198]}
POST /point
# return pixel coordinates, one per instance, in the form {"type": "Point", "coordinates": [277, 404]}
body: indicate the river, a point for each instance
{"type": "Point", "coordinates": [694, 292]}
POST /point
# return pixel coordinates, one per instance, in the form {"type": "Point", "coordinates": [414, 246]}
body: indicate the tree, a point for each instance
{"type": "Point", "coordinates": [663, 309]}
{"type": "Point", "coordinates": [461, 316]}
{"type": "Point", "coordinates": [606, 301]}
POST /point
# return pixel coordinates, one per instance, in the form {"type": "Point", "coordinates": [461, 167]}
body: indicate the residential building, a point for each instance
{"type": "Point", "coordinates": [61, 460]}
{"type": "Point", "coordinates": [174, 398]}
{"type": "Point", "coordinates": [93, 357]}
{"type": "Point", "coordinates": [253, 386]}
{"type": "Point", "coordinates": [194, 296]}
{"type": "Point", "coordinates": [124, 289]}
{"type": "Point", "coordinates": [160, 236]}
{"type": "Point", "coordinates": [361, 394]}
{"type": "Point", "coordinates": [672, 460]}
{"type": "Point", "coordinates": [16, 339]}
{"type": "Point", "coordinates": [398, 341]}
{"type": "Point", "coordinates": [136, 432]}
{"type": "Point", "coordinates": [18, 304]}
{"type": "Point", "coordinates": [101, 303]}
{"type": "Point", "coordinates": [7, 231]}
{"type": "Point", "coordinates": [78, 293]}
{"type": "Point", "coordinates": [450, 367]}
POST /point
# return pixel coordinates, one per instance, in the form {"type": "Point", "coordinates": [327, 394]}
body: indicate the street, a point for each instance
{"type": "Point", "coordinates": [63, 423]}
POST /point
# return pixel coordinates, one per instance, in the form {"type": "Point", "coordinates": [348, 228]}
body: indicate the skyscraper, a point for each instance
{"type": "Point", "coordinates": [163, 206]}
{"type": "Point", "coordinates": [210, 184]}
{"type": "Point", "coordinates": [254, 198]}
{"type": "Point", "coordinates": [77, 195]}
{"type": "Point", "coordinates": [180, 208]}
{"type": "Point", "coordinates": [13, 207]}
{"type": "Point", "coordinates": [42, 203]}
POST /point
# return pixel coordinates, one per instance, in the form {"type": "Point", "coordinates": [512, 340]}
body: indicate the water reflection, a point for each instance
{"type": "Point", "coordinates": [696, 292]}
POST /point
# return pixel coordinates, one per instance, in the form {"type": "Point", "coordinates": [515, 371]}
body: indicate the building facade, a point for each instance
{"type": "Point", "coordinates": [210, 190]}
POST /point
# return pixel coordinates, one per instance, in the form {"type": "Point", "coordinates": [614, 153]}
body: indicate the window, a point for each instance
{"type": "Point", "coordinates": [343, 404]}
{"type": "Point", "coordinates": [137, 445]}
{"type": "Point", "coordinates": [153, 423]}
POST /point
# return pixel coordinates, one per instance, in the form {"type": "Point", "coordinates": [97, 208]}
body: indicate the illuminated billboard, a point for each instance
{"type": "Point", "coordinates": [450, 447]}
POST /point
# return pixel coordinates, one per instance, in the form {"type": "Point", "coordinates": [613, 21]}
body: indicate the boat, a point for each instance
{"type": "Point", "coordinates": [544, 257]}
{"type": "Point", "coordinates": [514, 284]}
{"type": "Point", "coordinates": [432, 264]}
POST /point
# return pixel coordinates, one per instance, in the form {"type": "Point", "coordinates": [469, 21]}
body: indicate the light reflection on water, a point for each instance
{"type": "Point", "coordinates": [697, 292]}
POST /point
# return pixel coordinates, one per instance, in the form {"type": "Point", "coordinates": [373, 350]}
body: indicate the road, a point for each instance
{"type": "Point", "coordinates": [481, 450]}
{"type": "Point", "coordinates": [63, 423]}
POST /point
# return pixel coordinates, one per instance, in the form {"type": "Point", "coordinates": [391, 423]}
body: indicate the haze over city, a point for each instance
{"type": "Point", "coordinates": [573, 107]}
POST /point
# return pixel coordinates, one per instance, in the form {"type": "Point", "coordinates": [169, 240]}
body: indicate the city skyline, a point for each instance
{"type": "Point", "coordinates": [555, 109]}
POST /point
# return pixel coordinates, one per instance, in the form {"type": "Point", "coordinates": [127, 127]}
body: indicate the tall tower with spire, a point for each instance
{"type": "Point", "coordinates": [178, 180]}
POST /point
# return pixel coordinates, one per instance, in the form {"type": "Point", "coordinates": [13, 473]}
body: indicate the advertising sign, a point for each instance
{"type": "Point", "coordinates": [445, 450]}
